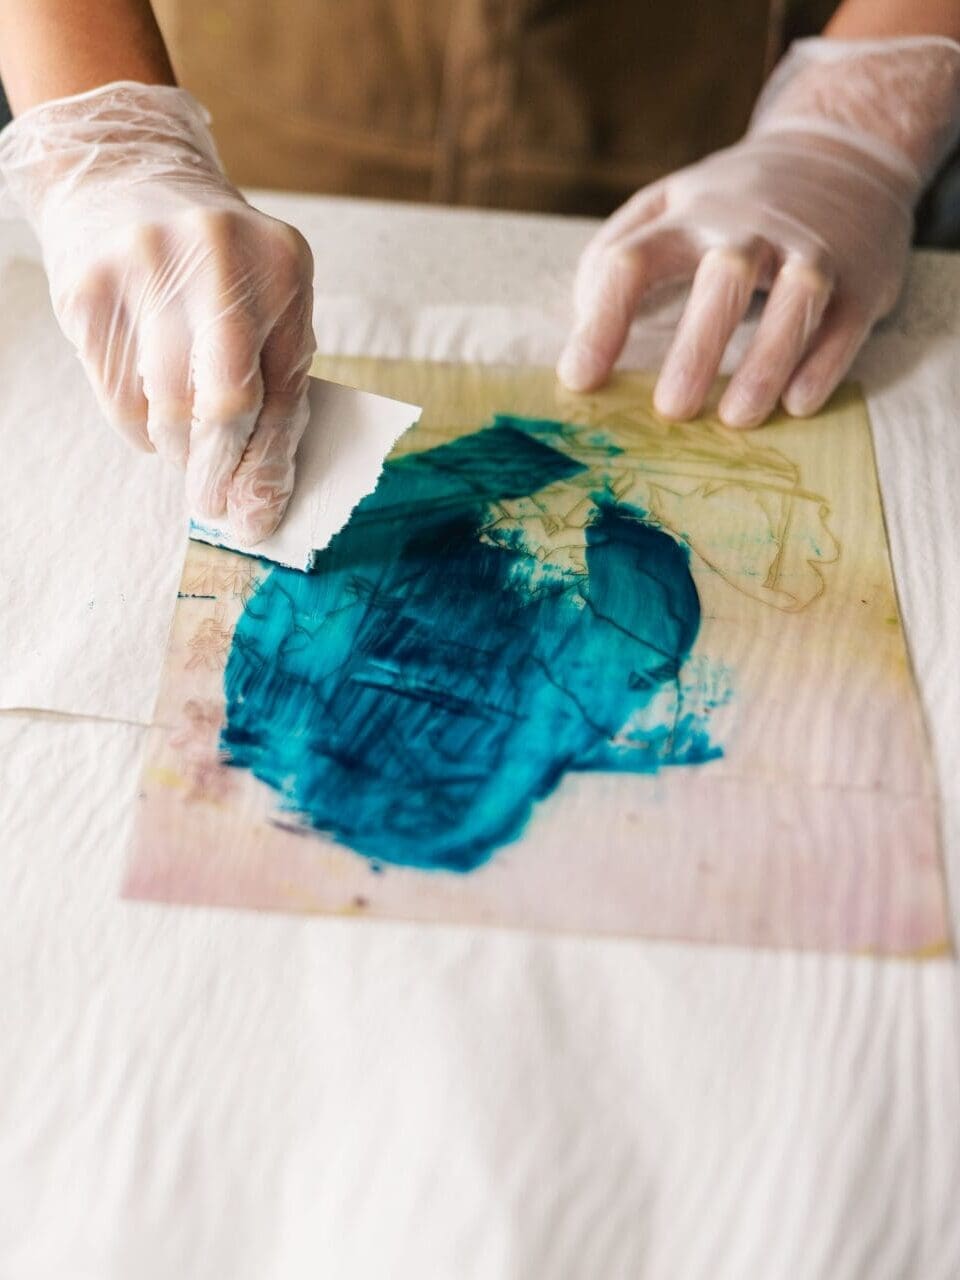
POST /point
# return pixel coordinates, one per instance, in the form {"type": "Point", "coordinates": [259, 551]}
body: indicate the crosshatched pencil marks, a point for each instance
{"type": "Point", "coordinates": [569, 667]}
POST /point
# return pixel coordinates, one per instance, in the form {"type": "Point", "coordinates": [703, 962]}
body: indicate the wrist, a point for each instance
{"type": "Point", "coordinates": [100, 139]}
{"type": "Point", "coordinates": [53, 49]}
{"type": "Point", "coordinates": [894, 101]}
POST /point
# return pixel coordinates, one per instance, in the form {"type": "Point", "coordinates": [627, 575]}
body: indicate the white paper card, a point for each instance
{"type": "Point", "coordinates": [339, 461]}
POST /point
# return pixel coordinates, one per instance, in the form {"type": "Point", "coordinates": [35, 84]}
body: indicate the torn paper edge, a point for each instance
{"type": "Point", "coordinates": [348, 437]}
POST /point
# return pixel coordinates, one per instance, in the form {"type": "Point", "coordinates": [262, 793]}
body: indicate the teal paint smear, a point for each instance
{"type": "Point", "coordinates": [425, 687]}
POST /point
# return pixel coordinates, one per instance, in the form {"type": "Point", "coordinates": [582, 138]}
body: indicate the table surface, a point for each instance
{"type": "Point", "coordinates": [198, 1093]}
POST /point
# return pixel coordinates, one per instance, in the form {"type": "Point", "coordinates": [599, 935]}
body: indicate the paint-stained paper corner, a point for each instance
{"type": "Point", "coordinates": [347, 439]}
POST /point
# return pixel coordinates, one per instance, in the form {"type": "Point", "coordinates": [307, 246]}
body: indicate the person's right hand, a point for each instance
{"type": "Point", "coordinates": [190, 310]}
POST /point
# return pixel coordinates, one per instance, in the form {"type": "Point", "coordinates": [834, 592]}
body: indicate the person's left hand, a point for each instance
{"type": "Point", "coordinates": [813, 206]}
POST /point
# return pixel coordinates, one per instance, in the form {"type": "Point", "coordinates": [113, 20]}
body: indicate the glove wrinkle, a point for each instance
{"type": "Point", "coordinates": [170, 287]}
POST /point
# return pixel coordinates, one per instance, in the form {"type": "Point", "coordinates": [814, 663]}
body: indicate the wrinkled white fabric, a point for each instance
{"type": "Point", "coordinates": [190, 310]}
{"type": "Point", "coordinates": [814, 206]}
{"type": "Point", "coordinates": [199, 1093]}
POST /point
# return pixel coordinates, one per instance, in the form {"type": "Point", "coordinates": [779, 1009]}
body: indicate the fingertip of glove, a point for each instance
{"type": "Point", "coordinates": [205, 502]}
{"type": "Point", "coordinates": [250, 523]}
{"type": "Point", "coordinates": [673, 403]}
{"type": "Point", "coordinates": [251, 528]}
{"type": "Point", "coordinates": [802, 402]}
{"type": "Point", "coordinates": [579, 368]}
{"type": "Point", "coordinates": [740, 411]}
{"type": "Point", "coordinates": [741, 419]}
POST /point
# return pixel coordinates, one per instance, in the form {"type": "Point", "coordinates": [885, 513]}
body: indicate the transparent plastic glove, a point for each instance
{"type": "Point", "coordinates": [814, 205]}
{"type": "Point", "coordinates": [190, 311]}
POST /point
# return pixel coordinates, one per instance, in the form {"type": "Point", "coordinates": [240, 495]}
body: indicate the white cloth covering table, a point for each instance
{"type": "Point", "coordinates": [192, 1093]}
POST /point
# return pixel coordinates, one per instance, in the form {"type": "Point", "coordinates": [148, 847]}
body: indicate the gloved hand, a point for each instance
{"type": "Point", "coordinates": [191, 311]}
{"type": "Point", "coordinates": [814, 205]}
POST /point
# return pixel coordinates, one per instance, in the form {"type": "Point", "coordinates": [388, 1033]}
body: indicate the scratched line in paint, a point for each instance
{"type": "Point", "coordinates": [491, 619]}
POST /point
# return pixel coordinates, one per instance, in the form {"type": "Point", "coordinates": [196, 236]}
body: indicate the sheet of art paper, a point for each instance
{"type": "Point", "coordinates": [346, 440]}
{"type": "Point", "coordinates": [568, 667]}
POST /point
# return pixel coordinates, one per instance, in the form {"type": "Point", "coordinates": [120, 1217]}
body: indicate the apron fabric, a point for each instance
{"type": "Point", "coordinates": [563, 105]}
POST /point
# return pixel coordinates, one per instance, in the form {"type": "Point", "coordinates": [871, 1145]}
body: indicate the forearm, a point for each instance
{"type": "Point", "coordinates": [879, 19]}
{"type": "Point", "coordinates": [54, 48]}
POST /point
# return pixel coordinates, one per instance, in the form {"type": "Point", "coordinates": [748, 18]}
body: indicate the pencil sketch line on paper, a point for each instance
{"type": "Point", "coordinates": [693, 478]}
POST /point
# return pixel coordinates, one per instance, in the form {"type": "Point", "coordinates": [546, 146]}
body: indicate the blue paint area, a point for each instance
{"type": "Point", "coordinates": [425, 686]}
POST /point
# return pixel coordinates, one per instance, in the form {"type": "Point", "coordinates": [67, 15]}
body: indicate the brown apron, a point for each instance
{"type": "Point", "coordinates": [567, 105]}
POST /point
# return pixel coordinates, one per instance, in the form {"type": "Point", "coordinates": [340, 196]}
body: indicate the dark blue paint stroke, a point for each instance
{"type": "Point", "coordinates": [419, 692]}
